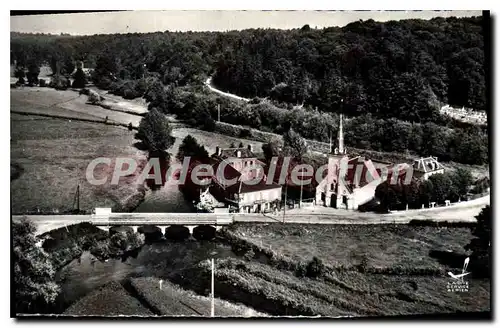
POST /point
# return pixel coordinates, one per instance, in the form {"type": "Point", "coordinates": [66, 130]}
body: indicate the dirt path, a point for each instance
{"type": "Point", "coordinates": [208, 84]}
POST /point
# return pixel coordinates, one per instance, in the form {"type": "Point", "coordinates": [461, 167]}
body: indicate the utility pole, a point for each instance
{"type": "Point", "coordinates": [301, 187]}
{"type": "Point", "coordinates": [212, 312]}
{"type": "Point", "coordinates": [78, 198]}
{"type": "Point", "coordinates": [218, 112]}
{"type": "Point", "coordinates": [286, 190]}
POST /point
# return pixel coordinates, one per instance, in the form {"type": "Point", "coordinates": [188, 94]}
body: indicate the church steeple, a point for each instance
{"type": "Point", "coordinates": [340, 149]}
{"type": "Point", "coordinates": [341, 138]}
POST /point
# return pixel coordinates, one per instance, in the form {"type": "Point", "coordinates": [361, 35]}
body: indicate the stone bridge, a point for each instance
{"type": "Point", "coordinates": [137, 221]}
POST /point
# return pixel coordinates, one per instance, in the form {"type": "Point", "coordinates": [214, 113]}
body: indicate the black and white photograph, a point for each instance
{"type": "Point", "coordinates": [251, 164]}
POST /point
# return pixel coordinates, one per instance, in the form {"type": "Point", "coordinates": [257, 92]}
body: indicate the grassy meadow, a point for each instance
{"type": "Point", "coordinates": [369, 270]}
{"type": "Point", "coordinates": [52, 156]}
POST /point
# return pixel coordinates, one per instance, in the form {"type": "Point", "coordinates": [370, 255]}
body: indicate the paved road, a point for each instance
{"type": "Point", "coordinates": [465, 212]}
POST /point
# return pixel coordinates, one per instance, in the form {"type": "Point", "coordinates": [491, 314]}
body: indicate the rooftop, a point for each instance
{"type": "Point", "coordinates": [240, 152]}
{"type": "Point", "coordinates": [428, 164]}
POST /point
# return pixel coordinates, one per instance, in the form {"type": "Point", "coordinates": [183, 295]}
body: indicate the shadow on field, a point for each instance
{"type": "Point", "coordinates": [451, 259]}
{"type": "Point", "coordinates": [140, 145]}
{"type": "Point", "coordinates": [15, 171]}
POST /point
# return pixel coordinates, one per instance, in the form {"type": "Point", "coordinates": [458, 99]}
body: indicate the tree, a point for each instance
{"type": "Point", "coordinates": [294, 144]}
{"type": "Point", "coordinates": [33, 72]}
{"type": "Point", "coordinates": [271, 149]}
{"type": "Point", "coordinates": [190, 147]}
{"type": "Point", "coordinates": [155, 131]}
{"type": "Point", "coordinates": [443, 188]}
{"type": "Point", "coordinates": [426, 191]}
{"type": "Point", "coordinates": [126, 240]}
{"type": "Point", "coordinates": [20, 74]}
{"type": "Point", "coordinates": [34, 273]}
{"type": "Point", "coordinates": [462, 179]}
{"type": "Point", "coordinates": [481, 244]}
{"type": "Point", "coordinates": [80, 79]}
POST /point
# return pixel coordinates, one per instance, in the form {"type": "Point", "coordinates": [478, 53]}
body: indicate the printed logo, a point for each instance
{"type": "Point", "coordinates": [458, 284]}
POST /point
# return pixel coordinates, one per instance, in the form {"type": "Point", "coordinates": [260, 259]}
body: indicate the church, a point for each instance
{"type": "Point", "coordinates": [350, 181]}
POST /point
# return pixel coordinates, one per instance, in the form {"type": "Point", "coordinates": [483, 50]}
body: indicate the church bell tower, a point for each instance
{"type": "Point", "coordinates": [340, 149]}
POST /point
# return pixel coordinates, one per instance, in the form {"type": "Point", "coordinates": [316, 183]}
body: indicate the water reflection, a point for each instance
{"type": "Point", "coordinates": [163, 260]}
{"type": "Point", "coordinates": [164, 196]}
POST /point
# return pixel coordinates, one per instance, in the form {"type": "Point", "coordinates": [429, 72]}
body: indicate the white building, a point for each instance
{"type": "Point", "coordinates": [423, 168]}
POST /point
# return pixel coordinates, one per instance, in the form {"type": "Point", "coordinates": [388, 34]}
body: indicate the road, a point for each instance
{"type": "Point", "coordinates": [208, 84]}
{"type": "Point", "coordinates": [464, 212]}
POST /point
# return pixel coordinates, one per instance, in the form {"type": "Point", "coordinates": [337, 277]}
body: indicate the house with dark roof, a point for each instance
{"type": "Point", "coordinates": [423, 168]}
{"type": "Point", "coordinates": [240, 181]}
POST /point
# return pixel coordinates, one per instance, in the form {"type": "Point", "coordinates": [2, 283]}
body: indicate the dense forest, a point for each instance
{"type": "Point", "coordinates": [388, 78]}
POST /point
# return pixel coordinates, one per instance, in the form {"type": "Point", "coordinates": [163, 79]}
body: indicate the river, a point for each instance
{"type": "Point", "coordinates": [163, 260]}
{"type": "Point", "coordinates": [168, 199]}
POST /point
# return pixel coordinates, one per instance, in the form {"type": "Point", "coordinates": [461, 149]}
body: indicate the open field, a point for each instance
{"type": "Point", "coordinates": [344, 293]}
{"type": "Point", "coordinates": [172, 300]}
{"type": "Point", "coordinates": [383, 245]}
{"type": "Point", "coordinates": [369, 270]}
{"type": "Point", "coordinates": [53, 155]}
{"type": "Point", "coordinates": [109, 300]}
{"type": "Point", "coordinates": [64, 102]}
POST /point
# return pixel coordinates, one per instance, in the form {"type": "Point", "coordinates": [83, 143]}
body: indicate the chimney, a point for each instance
{"type": "Point", "coordinates": [238, 153]}
{"type": "Point", "coordinates": [217, 151]}
{"type": "Point", "coordinates": [250, 148]}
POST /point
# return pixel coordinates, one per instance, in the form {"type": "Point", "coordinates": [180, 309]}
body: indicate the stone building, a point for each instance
{"type": "Point", "coordinates": [235, 171]}
{"type": "Point", "coordinates": [350, 182]}
{"type": "Point", "coordinates": [423, 168]}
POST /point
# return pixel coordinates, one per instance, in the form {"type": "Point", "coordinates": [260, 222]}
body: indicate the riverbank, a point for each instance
{"type": "Point", "coordinates": [283, 270]}
{"type": "Point", "coordinates": [371, 270]}
{"type": "Point", "coordinates": [86, 277]}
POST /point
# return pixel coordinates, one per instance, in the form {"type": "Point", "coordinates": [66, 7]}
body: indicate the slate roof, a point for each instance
{"type": "Point", "coordinates": [233, 152]}
{"type": "Point", "coordinates": [428, 164]}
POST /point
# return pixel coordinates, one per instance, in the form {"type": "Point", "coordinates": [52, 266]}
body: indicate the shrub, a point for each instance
{"type": "Point", "coordinates": [33, 271]}
{"type": "Point", "coordinates": [93, 97]}
{"type": "Point", "coordinates": [363, 265]}
{"type": "Point", "coordinates": [209, 124]}
{"type": "Point", "coordinates": [249, 255]}
{"type": "Point", "coordinates": [480, 245]}
{"type": "Point", "coordinates": [126, 241]}
{"type": "Point", "coordinates": [301, 269]}
{"type": "Point", "coordinates": [101, 250]}
{"type": "Point", "coordinates": [59, 82]}
{"type": "Point", "coordinates": [315, 268]}
{"type": "Point", "coordinates": [245, 133]}
{"type": "Point", "coordinates": [80, 80]}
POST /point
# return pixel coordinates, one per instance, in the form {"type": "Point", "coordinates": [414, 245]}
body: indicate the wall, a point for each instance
{"type": "Point", "coordinates": [268, 195]}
